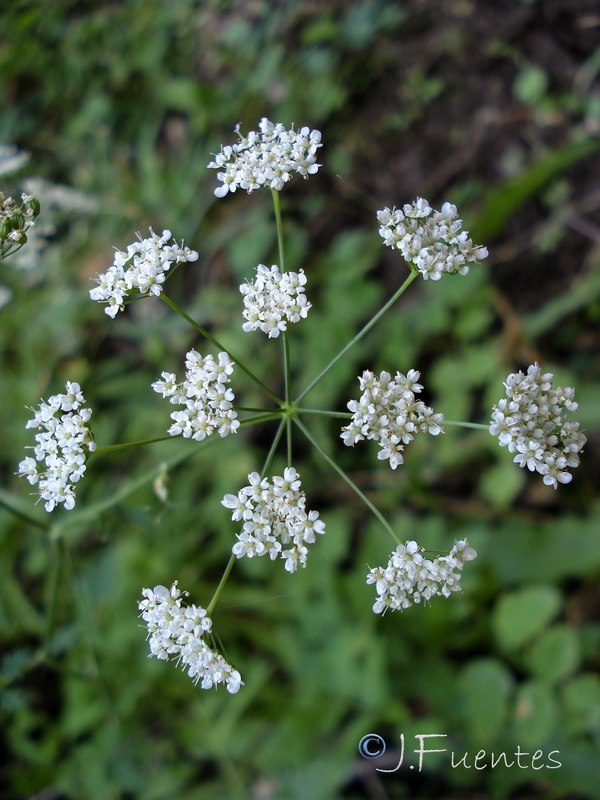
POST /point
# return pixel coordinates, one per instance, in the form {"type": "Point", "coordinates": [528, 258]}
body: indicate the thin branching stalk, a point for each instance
{"type": "Point", "coordinates": [349, 481]}
{"type": "Point", "coordinates": [365, 329]}
{"type": "Point", "coordinates": [216, 343]}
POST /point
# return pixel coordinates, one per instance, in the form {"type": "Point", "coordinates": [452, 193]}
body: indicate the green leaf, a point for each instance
{"type": "Point", "coordinates": [581, 700]}
{"type": "Point", "coordinates": [521, 615]}
{"type": "Point", "coordinates": [541, 552]}
{"type": "Point", "coordinates": [485, 686]}
{"type": "Point", "coordinates": [535, 713]}
{"type": "Point", "coordinates": [501, 202]}
{"type": "Point", "coordinates": [500, 484]}
{"type": "Point", "coordinates": [530, 86]}
{"type": "Point", "coordinates": [555, 654]}
{"type": "Point", "coordinates": [579, 295]}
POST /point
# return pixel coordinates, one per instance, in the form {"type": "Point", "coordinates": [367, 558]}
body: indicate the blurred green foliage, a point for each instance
{"type": "Point", "coordinates": [127, 101]}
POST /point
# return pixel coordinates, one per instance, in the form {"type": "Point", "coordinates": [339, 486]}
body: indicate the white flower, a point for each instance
{"type": "Point", "coordinates": [180, 631]}
{"type": "Point", "coordinates": [206, 399]}
{"type": "Point", "coordinates": [431, 241]}
{"type": "Point", "coordinates": [274, 516]}
{"type": "Point", "coordinates": [141, 268]}
{"type": "Point", "coordinates": [389, 413]}
{"type": "Point", "coordinates": [268, 157]}
{"type": "Point", "coordinates": [411, 578]}
{"type": "Point", "coordinates": [63, 445]}
{"type": "Point", "coordinates": [530, 421]}
{"type": "Point", "coordinates": [273, 300]}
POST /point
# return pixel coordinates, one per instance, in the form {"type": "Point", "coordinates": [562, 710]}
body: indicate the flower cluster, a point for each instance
{"type": "Point", "coordinates": [15, 220]}
{"type": "Point", "coordinates": [273, 300]}
{"type": "Point", "coordinates": [389, 412]}
{"type": "Point", "coordinates": [274, 515]}
{"type": "Point", "coordinates": [530, 422]}
{"type": "Point", "coordinates": [268, 157]}
{"type": "Point", "coordinates": [62, 445]}
{"type": "Point", "coordinates": [178, 631]}
{"type": "Point", "coordinates": [141, 268]}
{"type": "Point", "coordinates": [410, 578]}
{"type": "Point", "coordinates": [204, 392]}
{"type": "Point", "coordinates": [431, 241]}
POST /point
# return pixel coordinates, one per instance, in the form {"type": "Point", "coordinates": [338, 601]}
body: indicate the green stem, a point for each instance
{"type": "Point", "coordinates": [232, 559]}
{"type": "Point", "coordinates": [11, 250]}
{"type": "Point", "coordinates": [262, 417]}
{"type": "Point", "coordinates": [266, 417]}
{"type": "Point", "coordinates": [287, 382]}
{"type": "Point", "coordinates": [74, 519]}
{"type": "Point", "coordinates": [109, 448]}
{"type": "Point", "coordinates": [359, 335]}
{"type": "Point", "coordinates": [288, 430]}
{"type": "Point", "coordinates": [279, 224]}
{"type": "Point", "coordinates": [322, 413]}
{"type": "Point", "coordinates": [350, 482]}
{"type": "Point", "coordinates": [216, 343]}
{"type": "Point", "coordinates": [271, 453]}
{"type": "Point", "coordinates": [221, 586]}
{"type": "Point", "coordinates": [258, 410]}
{"type": "Point", "coordinates": [477, 425]}
{"type": "Point", "coordinates": [287, 370]}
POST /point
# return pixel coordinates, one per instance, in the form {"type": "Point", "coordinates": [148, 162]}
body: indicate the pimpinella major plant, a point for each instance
{"type": "Point", "coordinates": [272, 515]}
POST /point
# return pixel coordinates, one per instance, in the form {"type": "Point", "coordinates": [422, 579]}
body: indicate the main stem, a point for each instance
{"type": "Point", "coordinates": [287, 382]}
{"type": "Point", "coordinates": [359, 335]}
{"type": "Point", "coordinates": [216, 343]}
{"type": "Point", "coordinates": [287, 370]}
{"type": "Point", "coordinates": [279, 224]}
{"type": "Point", "coordinates": [286, 422]}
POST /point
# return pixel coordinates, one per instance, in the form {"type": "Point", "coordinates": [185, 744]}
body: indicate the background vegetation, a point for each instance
{"type": "Point", "coordinates": [494, 106]}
